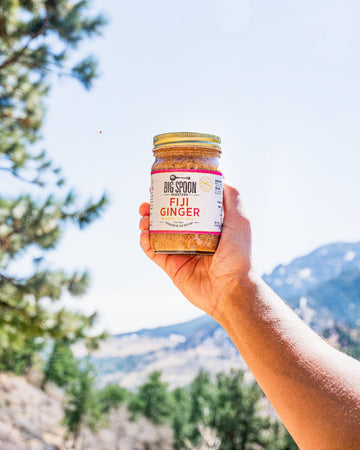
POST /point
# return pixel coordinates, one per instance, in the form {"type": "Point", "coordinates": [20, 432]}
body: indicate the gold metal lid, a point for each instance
{"type": "Point", "coordinates": [187, 139]}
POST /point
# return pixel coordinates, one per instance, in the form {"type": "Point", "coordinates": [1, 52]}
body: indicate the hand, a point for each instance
{"type": "Point", "coordinates": [207, 280]}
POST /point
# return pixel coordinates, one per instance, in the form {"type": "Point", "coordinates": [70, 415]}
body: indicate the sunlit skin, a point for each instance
{"type": "Point", "coordinates": [314, 388]}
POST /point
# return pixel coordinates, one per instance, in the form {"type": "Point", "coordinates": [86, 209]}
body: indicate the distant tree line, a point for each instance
{"type": "Point", "coordinates": [227, 404]}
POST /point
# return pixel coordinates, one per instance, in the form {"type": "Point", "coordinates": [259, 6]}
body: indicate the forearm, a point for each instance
{"type": "Point", "coordinates": [314, 388]}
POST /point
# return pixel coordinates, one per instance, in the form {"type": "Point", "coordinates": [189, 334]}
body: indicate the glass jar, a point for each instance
{"type": "Point", "coordinates": [186, 194]}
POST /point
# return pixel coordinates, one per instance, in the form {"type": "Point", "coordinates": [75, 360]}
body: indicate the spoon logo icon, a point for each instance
{"type": "Point", "coordinates": [174, 177]}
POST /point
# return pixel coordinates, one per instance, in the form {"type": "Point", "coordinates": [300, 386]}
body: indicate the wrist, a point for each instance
{"type": "Point", "coordinates": [235, 296]}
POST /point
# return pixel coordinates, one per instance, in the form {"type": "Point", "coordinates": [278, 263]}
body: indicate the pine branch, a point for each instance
{"type": "Point", "coordinates": [20, 177]}
{"type": "Point", "coordinates": [15, 57]}
{"type": "Point", "coordinates": [6, 305]}
{"type": "Point", "coordinates": [85, 216]}
{"type": "Point", "coordinates": [16, 282]}
{"type": "Point", "coordinates": [3, 33]}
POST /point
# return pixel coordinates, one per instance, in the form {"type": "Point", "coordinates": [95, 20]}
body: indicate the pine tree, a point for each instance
{"type": "Point", "coordinates": [180, 418]}
{"type": "Point", "coordinates": [236, 418]}
{"type": "Point", "coordinates": [280, 438]}
{"type": "Point", "coordinates": [202, 402]}
{"type": "Point", "coordinates": [111, 396]}
{"type": "Point", "coordinates": [61, 366]}
{"type": "Point", "coordinates": [37, 38]}
{"type": "Point", "coordinates": [82, 407]}
{"type": "Point", "coordinates": [153, 400]}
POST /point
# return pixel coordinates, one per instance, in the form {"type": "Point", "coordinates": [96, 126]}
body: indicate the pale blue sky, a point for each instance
{"type": "Point", "coordinates": [278, 81]}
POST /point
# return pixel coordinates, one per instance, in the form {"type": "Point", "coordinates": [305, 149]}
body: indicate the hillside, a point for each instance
{"type": "Point", "coordinates": [323, 287]}
{"type": "Point", "coordinates": [129, 359]}
{"type": "Point", "coordinates": [30, 419]}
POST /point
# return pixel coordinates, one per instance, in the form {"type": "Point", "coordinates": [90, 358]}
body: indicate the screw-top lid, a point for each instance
{"type": "Point", "coordinates": [189, 139]}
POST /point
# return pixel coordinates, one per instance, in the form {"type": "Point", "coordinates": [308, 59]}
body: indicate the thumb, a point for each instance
{"type": "Point", "coordinates": [235, 242]}
{"type": "Point", "coordinates": [233, 205]}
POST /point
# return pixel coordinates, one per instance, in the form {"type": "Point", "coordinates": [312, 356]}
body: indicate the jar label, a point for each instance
{"type": "Point", "coordinates": [186, 201]}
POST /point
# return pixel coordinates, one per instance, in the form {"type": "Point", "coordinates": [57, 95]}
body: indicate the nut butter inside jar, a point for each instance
{"type": "Point", "coordinates": [186, 194]}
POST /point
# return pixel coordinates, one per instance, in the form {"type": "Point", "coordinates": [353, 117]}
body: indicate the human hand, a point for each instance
{"type": "Point", "coordinates": [207, 280]}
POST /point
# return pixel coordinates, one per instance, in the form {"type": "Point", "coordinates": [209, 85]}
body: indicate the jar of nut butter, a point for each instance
{"type": "Point", "coordinates": [186, 194]}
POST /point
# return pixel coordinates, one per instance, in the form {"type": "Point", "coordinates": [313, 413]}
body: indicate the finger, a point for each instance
{"type": "Point", "coordinates": [145, 242]}
{"type": "Point", "coordinates": [144, 223]}
{"type": "Point", "coordinates": [144, 209]}
{"type": "Point", "coordinates": [160, 260]}
{"type": "Point", "coordinates": [236, 229]}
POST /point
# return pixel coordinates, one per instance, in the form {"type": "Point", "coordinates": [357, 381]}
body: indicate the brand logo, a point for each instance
{"type": "Point", "coordinates": [174, 177]}
{"type": "Point", "coordinates": [179, 187]}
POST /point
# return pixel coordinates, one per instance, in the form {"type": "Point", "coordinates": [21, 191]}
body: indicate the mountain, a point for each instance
{"type": "Point", "coordinates": [201, 343]}
{"type": "Point", "coordinates": [336, 300]}
{"type": "Point", "coordinates": [185, 329]}
{"type": "Point", "coordinates": [295, 279]}
{"type": "Point", "coordinates": [323, 287]}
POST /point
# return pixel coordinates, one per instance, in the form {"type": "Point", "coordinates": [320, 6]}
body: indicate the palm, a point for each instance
{"type": "Point", "coordinates": [190, 273]}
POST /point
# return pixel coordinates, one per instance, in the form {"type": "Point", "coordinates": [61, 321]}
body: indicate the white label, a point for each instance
{"type": "Point", "coordinates": [186, 201]}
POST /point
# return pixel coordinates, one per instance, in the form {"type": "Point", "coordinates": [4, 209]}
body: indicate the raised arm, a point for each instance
{"type": "Point", "coordinates": [314, 388]}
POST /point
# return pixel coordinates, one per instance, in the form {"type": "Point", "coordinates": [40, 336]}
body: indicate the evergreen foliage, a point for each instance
{"type": "Point", "coordinates": [86, 404]}
{"type": "Point", "coordinates": [236, 417]}
{"type": "Point", "coordinates": [280, 439]}
{"type": "Point", "coordinates": [181, 418]}
{"type": "Point", "coordinates": [348, 338]}
{"type": "Point", "coordinates": [82, 407]}
{"type": "Point", "coordinates": [61, 367]}
{"type": "Point", "coordinates": [153, 400]}
{"type": "Point", "coordinates": [111, 396]}
{"type": "Point", "coordinates": [37, 39]}
{"type": "Point", "coordinates": [202, 401]}
{"type": "Point", "coordinates": [19, 358]}
{"type": "Point", "coordinates": [229, 406]}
